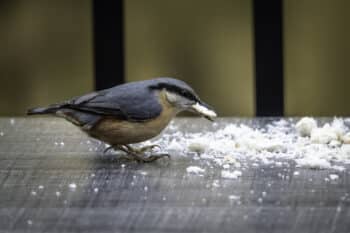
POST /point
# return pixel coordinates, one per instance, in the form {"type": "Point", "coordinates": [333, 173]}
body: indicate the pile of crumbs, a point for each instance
{"type": "Point", "coordinates": [307, 143]}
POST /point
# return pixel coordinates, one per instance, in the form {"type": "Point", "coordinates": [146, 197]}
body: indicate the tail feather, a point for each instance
{"type": "Point", "coordinates": [44, 110]}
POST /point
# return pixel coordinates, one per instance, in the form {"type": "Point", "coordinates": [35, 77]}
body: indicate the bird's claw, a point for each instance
{"type": "Point", "coordinates": [138, 154]}
{"type": "Point", "coordinates": [151, 158]}
{"type": "Point", "coordinates": [147, 148]}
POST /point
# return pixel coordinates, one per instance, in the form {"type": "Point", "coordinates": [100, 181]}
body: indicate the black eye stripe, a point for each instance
{"type": "Point", "coordinates": [188, 95]}
{"type": "Point", "coordinates": [180, 91]}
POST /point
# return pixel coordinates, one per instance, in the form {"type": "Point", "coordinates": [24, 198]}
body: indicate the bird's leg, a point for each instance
{"type": "Point", "coordinates": [139, 156]}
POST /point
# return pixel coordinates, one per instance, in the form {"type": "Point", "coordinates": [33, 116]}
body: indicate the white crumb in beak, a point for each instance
{"type": "Point", "coordinates": [204, 110]}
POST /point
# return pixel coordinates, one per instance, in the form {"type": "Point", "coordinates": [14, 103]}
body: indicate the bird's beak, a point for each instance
{"type": "Point", "coordinates": [204, 110]}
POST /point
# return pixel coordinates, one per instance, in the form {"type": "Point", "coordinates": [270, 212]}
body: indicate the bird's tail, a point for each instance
{"type": "Point", "coordinates": [44, 110]}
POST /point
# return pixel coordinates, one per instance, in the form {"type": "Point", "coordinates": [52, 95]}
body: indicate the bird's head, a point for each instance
{"type": "Point", "coordinates": [180, 95]}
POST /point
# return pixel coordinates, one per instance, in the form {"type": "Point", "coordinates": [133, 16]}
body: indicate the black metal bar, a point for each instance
{"type": "Point", "coordinates": [108, 24]}
{"type": "Point", "coordinates": [268, 29]}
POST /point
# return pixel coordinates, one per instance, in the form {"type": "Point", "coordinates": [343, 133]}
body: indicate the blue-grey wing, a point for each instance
{"type": "Point", "coordinates": [128, 101]}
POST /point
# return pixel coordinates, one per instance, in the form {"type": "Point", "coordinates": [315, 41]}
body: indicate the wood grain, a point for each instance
{"type": "Point", "coordinates": [36, 171]}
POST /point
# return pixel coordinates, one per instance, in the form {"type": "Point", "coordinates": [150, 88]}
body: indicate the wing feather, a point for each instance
{"type": "Point", "coordinates": [128, 101]}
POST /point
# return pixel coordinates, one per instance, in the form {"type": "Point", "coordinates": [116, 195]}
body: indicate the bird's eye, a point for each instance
{"type": "Point", "coordinates": [188, 95]}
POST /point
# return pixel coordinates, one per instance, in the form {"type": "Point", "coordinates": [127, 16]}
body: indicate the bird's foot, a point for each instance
{"type": "Point", "coordinates": [143, 149]}
{"type": "Point", "coordinates": [138, 154]}
{"type": "Point", "coordinates": [147, 159]}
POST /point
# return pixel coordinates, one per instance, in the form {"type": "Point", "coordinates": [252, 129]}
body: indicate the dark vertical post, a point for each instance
{"type": "Point", "coordinates": [108, 30]}
{"type": "Point", "coordinates": [268, 29]}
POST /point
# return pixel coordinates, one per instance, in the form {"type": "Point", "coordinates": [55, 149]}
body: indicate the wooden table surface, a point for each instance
{"type": "Point", "coordinates": [53, 178]}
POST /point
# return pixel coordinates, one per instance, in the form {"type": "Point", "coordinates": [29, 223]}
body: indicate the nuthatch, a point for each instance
{"type": "Point", "coordinates": [130, 113]}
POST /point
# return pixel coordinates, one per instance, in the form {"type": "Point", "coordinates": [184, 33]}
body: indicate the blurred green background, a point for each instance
{"type": "Point", "coordinates": [46, 52]}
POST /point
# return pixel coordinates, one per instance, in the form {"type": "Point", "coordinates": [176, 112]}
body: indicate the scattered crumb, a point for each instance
{"type": "Point", "coordinates": [72, 186]}
{"type": "Point", "coordinates": [234, 197]}
{"type": "Point", "coordinates": [175, 146]}
{"type": "Point", "coordinates": [216, 184]}
{"type": "Point", "coordinates": [339, 209]}
{"type": "Point", "coordinates": [40, 187]}
{"type": "Point", "coordinates": [195, 170]}
{"type": "Point", "coordinates": [314, 163]}
{"type": "Point", "coordinates": [338, 126]}
{"type": "Point", "coordinates": [305, 126]}
{"type": "Point", "coordinates": [143, 173]}
{"type": "Point", "coordinates": [334, 143]}
{"type": "Point", "coordinates": [296, 173]}
{"type": "Point", "coordinates": [307, 144]}
{"type": "Point", "coordinates": [96, 190]}
{"type": "Point", "coordinates": [197, 147]}
{"type": "Point", "coordinates": [230, 160]}
{"type": "Point", "coordinates": [346, 138]}
{"type": "Point", "coordinates": [333, 176]}
{"type": "Point", "coordinates": [231, 175]}
{"type": "Point", "coordinates": [323, 135]}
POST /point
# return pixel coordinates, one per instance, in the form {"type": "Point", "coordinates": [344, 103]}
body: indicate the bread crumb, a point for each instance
{"type": "Point", "coordinates": [234, 197]}
{"type": "Point", "coordinates": [323, 135]}
{"type": "Point", "coordinates": [346, 138]}
{"type": "Point", "coordinates": [195, 170]}
{"type": "Point", "coordinates": [197, 147]}
{"type": "Point", "coordinates": [305, 126]}
{"type": "Point", "coordinates": [231, 175]}
{"type": "Point", "coordinates": [241, 145]}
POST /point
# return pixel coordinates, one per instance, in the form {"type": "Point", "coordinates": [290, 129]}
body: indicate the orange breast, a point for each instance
{"type": "Point", "coordinates": [121, 132]}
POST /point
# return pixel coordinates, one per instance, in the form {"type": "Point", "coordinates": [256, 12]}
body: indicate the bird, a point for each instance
{"type": "Point", "coordinates": [130, 113]}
